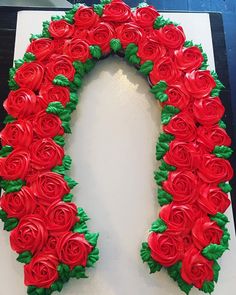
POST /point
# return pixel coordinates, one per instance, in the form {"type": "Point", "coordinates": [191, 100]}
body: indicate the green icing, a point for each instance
{"type": "Point", "coordinates": [105, 1]}
{"type": "Point", "coordinates": [142, 4]}
{"type": "Point", "coordinates": [134, 59]}
{"type": "Point", "coordinates": [71, 183]}
{"type": "Point", "coordinates": [45, 32]}
{"type": "Point", "coordinates": [66, 127]}
{"type": "Point", "coordinates": [35, 37]}
{"type": "Point", "coordinates": [93, 257]}
{"type": "Point", "coordinates": [130, 54]}
{"type": "Point", "coordinates": [222, 124]}
{"type": "Point", "coordinates": [5, 151]}
{"type": "Point", "coordinates": [18, 63]}
{"type": "Point", "coordinates": [13, 85]}
{"type": "Point", "coordinates": [79, 67]}
{"type": "Point", "coordinates": [153, 266]}
{"type": "Point", "coordinates": [163, 197]}
{"type": "Point", "coordinates": [174, 270]}
{"type": "Point", "coordinates": [9, 119]}
{"type": "Point", "coordinates": [146, 67]}
{"type": "Point", "coordinates": [158, 226]}
{"type": "Point", "coordinates": [115, 45]}
{"type": "Point", "coordinates": [164, 166]}
{"type": "Point", "coordinates": [78, 272]}
{"type": "Point", "coordinates": [219, 86]}
{"type": "Point", "coordinates": [89, 65]}
{"type": "Point", "coordinates": [216, 269]}
{"type": "Point", "coordinates": [3, 215]}
{"type": "Point", "coordinates": [56, 17]}
{"type": "Point", "coordinates": [167, 113]}
{"type": "Point", "coordinates": [61, 80]}
{"type": "Point", "coordinates": [67, 198]}
{"type": "Point", "coordinates": [56, 286]}
{"type": "Point", "coordinates": [29, 56]}
{"type": "Point", "coordinates": [222, 151]}
{"type": "Point", "coordinates": [160, 176]}
{"type": "Point", "coordinates": [165, 137]}
{"type": "Point", "coordinates": [213, 251]}
{"type": "Point", "coordinates": [82, 215]}
{"type": "Point", "coordinates": [92, 238]}
{"type": "Point", "coordinates": [208, 287]}
{"type": "Point", "coordinates": [10, 224]}
{"type": "Point", "coordinates": [161, 149]}
{"type": "Point", "coordinates": [59, 170]}
{"type": "Point", "coordinates": [66, 162]}
{"type": "Point", "coordinates": [188, 43]}
{"type": "Point", "coordinates": [60, 140]}
{"type": "Point", "coordinates": [226, 187]}
{"type": "Point", "coordinates": [98, 8]}
{"type": "Point", "coordinates": [161, 22]}
{"type": "Point", "coordinates": [95, 51]}
{"type": "Point", "coordinates": [186, 288]}
{"type": "Point", "coordinates": [145, 252]}
{"type": "Point", "coordinates": [11, 185]}
{"type": "Point", "coordinates": [24, 257]}
{"type": "Point", "coordinates": [80, 227]}
{"type": "Point", "coordinates": [159, 91]}
{"type": "Point", "coordinates": [225, 239]}
{"type": "Point", "coordinates": [220, 218]}
{"type": "Point", "coordinates": [64, 272]}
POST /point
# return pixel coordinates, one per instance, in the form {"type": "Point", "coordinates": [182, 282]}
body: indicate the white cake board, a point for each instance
{"type": "Point", "coordinates": [115, 129]}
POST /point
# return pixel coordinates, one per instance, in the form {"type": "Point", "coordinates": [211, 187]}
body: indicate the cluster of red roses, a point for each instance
{"type": "Point", "coordinates": [45, 220]}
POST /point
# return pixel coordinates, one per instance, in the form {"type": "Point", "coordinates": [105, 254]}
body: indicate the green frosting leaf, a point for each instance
{"type": "Point", "coordinates": [161, 149]}
{"type": "Point", "coordinates": [213, 251]}
{"type": "Point", "coordinates": [12, 185]}
{"type": "Point", "coordinates": [98, 8]}
{"type": "Point", "coordinates": [5, 151]}
{"type": "Point", "coordinates": [8, 119]}
{"type": "Point", "coordinates": [89, 65]}
{"type": "Point", "coordinates": [77, 81]}
{"type": "Point", "coordinates": [67, 198]}
{"type": "Point", "coordinates": [78, 272]}
{"type": "Point", "coordinates": [158, 226]}
{"type": "Point", "coordinates": [64, 272]}
{"type": "Point", "coordinates": [164, 198]}
{"type": "Point", "coordinates": [145, 252]}
{"type": "Point", "coordinates": [18, 63]}
{"type": "Point", "coordinates": [216, 269]}
{"type": "Point", "coordinates": [59, 140]}
{"type": "Point", "coordinates": [222, 124]}
{"type": "Point", "coordinates": [61, 80]}
{"type": "Point", "coordinates": [105, 1]}
{"type": "Point", "coordinates": [3, 215]}
{"type": "Point", "coordinates": [165, 137]}
{"type": "Point", "coordinates": [174, 270]}
{"type": "Point", "coordinates": [24, 257]}
{"type": "Point", "coordinates": [29, 56]}
{"type": "Point", "coordinates": [66, 162]}
{"type": "Point", "coordinates": [82, 215]}
{"type": "Point", "coordinates": [79, 67]}
{"type": "Point", "coordinates": [226, 187]}
{"type": "Point", "coordinates": [66, 127]}
{"type": "Point", "coordinates": [13, 85]}
{"type": "Point", "coordinates": [80, 227]}
{"type": "Point", "coordinates": [188, 43]}
{"type": "Point", "coordinates": [45, 32]}
{"type": "Point", "coordinates": [164, 166]}
{"type": "Point", "coordinates": [93, 257]}
{"type": "Point", "coordinates": [167, 113]}
{"type": "Point", "coordinates": [219, 86]}
{"type": "Point", "coordinates": [142, 4]}
{"type": "Point", "coordinates": [95, 51]}
{"type": "Point", "coordinates": [186, 288]}
{"type": "Point", "coordinates": [92, 238]}
{"type": "Point", "coordinates": [153, 266]}
{"type": "Point", "coordinates": [57, 286]}
{"type": "Point", "coordinates": [115, 45]}
{"type": "Point", "coordinates": [130, 54]}
{"type": "Point", "coordinates": [222, 151]}
{"type": "Point", "coordinates": [71, 183]}
{"type": "Point", "coordinates": [208, 287]}
{"type": "Point", "coordinates": [159, 91]}
{"type": "Point", "coordinates": [146, 67]}
{"type": "Point", "coordinates": [59, 170]}
{"type": "Point", "coordinates": [225, 239]}
{"type": "Point", "coordinates": [161, 22]}
{"type": "Point", "coordinates": [10, 224]}
{"type": "Point", "coordinates": [160, 176]}
{"type": "Point", "coordinates": [220, 218]}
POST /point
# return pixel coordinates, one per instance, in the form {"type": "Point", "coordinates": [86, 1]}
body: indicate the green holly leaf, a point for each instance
{"type": "Point", "coordinates": [216, 269]}
{"type": "Point", "coordinates": [5, 151]}
{"type": "Point", "coordinates": [61, 80]}
{"type": "Point", "coordinates": [167, 113]}
{"type": "Point", "coordinates": [92, 238]}
{"type": "Point", "coordinates": [24, 257]}
{"type": "Point", "coordinates": [98, 9]}
{"type": "Point", "coordinates": [146, 67]}
{"type": "Point", "coordinates": [160, 176]}
{"type": "Point", "coordinates": [222, 151]}
{"type": "Point", "coordinates": [115, 45]}
{"type": "Point", "coordinates": [226, 187]}
{"type": "Point", "coordinates": [71, 183]}
{"type": "Point", "coordinates": [67, 198]}
{"type": "Point", "coordinates": [10, 186]}
{"type": "Point", "coordinates": [145, 252]}
{"type": "Point", "coordinates": [80, 227]}
{"type": "Point", "coordinates": [208, 287]}
{"type": "Point", "coordinates": [93, 257]}
{"type": "Point", "coordinates": [82, 215]}
{"type": "Point", "coordinates": [213, 251]}
{"type": "Point", "coordinates": [158, 226]}
{"type": "Point", "coordinates": [3, 215]}
{"type": "Point", "coordinates": [163, 197]}
{"type": "Point", "coordinates": [78, 272]}
{"type": "Point", "coordinates": [220, 218]}
{"type": "Point", "coordinates": [60, 140]}
{"type": "Point", "coordinates": [10, 224]}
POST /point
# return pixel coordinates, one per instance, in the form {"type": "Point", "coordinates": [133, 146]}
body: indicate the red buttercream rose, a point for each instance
{"type": "Point", "coordinates": [178, 218]}
{"type": "Point", "coordinates": [182, 127]}
{"type": "Point", "coordinates": [18, 204]}
{"type": "Point", "coordinates": [165, 248]}
{"type": "Point", "coordinates": [129, 33]}
{"type": "Point", "coordinates": [85, 17]}
{"type": "Point", "coordinates": [101, 35]}
{"type": "Point", "coordinates": [58, 46]}
{"type": "Point", "coordinates": [30, 75]}
{"type": "Point", "coordinates": [188, 59]}
{"type": "Point", "coordinates": [49, 187]}
{"type": "Point", "coordinates": [171, 36]}
{"type": "Point", "coordinates": [215, 170]}
{"type": "Point", "coordinates": [61, 216]}
{"type": "Point", "coordinates": [182, 155]}
{"type": "Point", "coordinates": [60, 65]}
{"type": "Point", "coordinates": [150, 50]}
{"type": "Point", "coordinates": [196, 269]}
{"type": "Point", "coordinates": [212, 199]}
{"type": "Point", "coordinates": [41, 272]}
{"type": "Point", "coordinates": [199, 83]}
{"type": "Point", "coordinates": [188, 242]}
{"type": "Point", "coordinates": [47, 125]}
{"type": "Point", "coordinates": [77, 49]}
{"type": "Point", "coordinates": [210, 136]}
{"type": "Point", "coordinates": [73, 249]}
{"type": "Point", "coordinates": [30, 235]}
{"type": "Point", "coordinates": [52, 243]}
{"type": "Point", "coordinates": [178, 96]}
{"type": "Point", "coordinates": [50, 93]}
{"type": "Point", "coordinates": [17, 134]}
{"type": "Point", "coordinates": [45, 154]}
{"type": "Point", "coordinates": [145, 16]}
{"type": "Point", "coordinates": [208, 111]}
{"type": "Point", "coordinates": [60, 29]}
{"type": "Point", "coordinates": [116, 11]}
{"type": "Point", "coordinates": [41, 48]}
{"type": "Point", "coordinates": [20, 103]}
{"type": "Point", "coordinates": [164, 69]}
{"type": "Point", "coordinates": [205, 232]}
{"type": "Point", "coordinates": [15, 166]}
{"type": "Point", "coordinates": [182, 185]}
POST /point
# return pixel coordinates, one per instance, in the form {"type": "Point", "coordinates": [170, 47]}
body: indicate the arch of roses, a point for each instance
{"type": "Point", "coordinates": [47, 230]}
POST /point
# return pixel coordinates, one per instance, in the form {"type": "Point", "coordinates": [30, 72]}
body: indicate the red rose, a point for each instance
{"type": "Point", "coordinates": [188, 242]}
{"type": "Point", "coordinates": [166, 249]}
{"type": "Point", "coordinates": [208, 111]}
{"type": "Point", "coordinates": [49, 187]}
{"type": "Point", "coordinates": [40, 210]}
{"type": "Point", "coordinates": [18, 204]}
{"type": "Point", "coordinates": [60, 65]}
{"type": "Point", "coordinates": [20, 103]}
{"type": "Point", "coordinates": [47, 125]}
{"type": "Point", "coordinates": [41, 272]}
{"type": "Point", "coordinates": [73, 249]}
{"type": "Point", "coordinates": [210, 136]}
{"type": "Point", "coordinates": [50, 93]}
{"type": "Point", "coordinates": [41, 48]}
{"type": "Point", "coordinates": [85, 17]}
{"type": "Point", "coordinates": [171, 36]}
{"type": "Point", "coordinates": [129, 33]}
{"type": "Point", "coordinates": [30, 75]}
{"type": "Point", "coordinates": [59, 46]}
{"type": "Point", "coordinates": [178, 96]}
{"type": "Point", "coordinates": [182, 185]}
{"type": "Point", "coordinates": [145, 16]}
{"type": "Point", "coordinates": [164, 69]}
{"type": "Point", "coordinates": [15, 165]}
{"type": "Point", "coordinates": [45, 154]}
{"type": "Point", "coordinates": [179, 218]}
{"type": "Point", "coordinates": [52, 243]}
{"type": "Point", "coordinates": [17, 134]}
{"type": "Point", "coordinates": [61, 216]}
{"type": "Point", "coordinates": [60, 29]}
{"type": "Point", "coordinates": [101, 35]}
{"type": "Point", "coordinates": [182, 155]}
{"type": "Point", "coordinates": [205, 232]}
{"type": "Point", "coordinates": [188, 59]}
{"type": "Point", "coordinates": [199, 83]}
{"type": "Point", "coordinates": [30, 235]}
{"type": "Point", "coordinates": [182, 127]}
{"type": "Point", "coordinates": [77, 49]}
{"type": "Point", "coordinates": [215, 170]}
{"type": "Point", "coordinates": [212, 199]}
{"type": "Point", "coordinates": [196, 269]}
{"type": "Point", "coordinates": [116, 11]}
{"type": "Point", "coordinates": [150, 50]}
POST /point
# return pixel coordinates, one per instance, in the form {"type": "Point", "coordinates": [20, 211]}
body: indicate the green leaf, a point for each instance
{"type": "Point", "coordinates": [186, 288]}
{"type": "Point", "coordinates": [225, 239]}
{"type": "Point", "coordinates": [66, 127]}
{"type": "Point", "coordinates": [10, 186]}
{"type": "Point", "coordinates": [159, 91]}
{"type": "Point", "coordinates": [222, 151]}
{"type": "Point", "coordinates": [24, 257]}
{"type": "Point", "coordinates": [153, 266]}
{"type": "Point", "coordinates": [29, 56]}
{"type": "Point", "coordinates": [164, 198]}
{"type": "Point", "coordinates": [160, 176]}
{"type": "Point", "coordinates": [64, 272]}
{"type": "Point", "coordinates": [8, 119]}
{"type": "Point", "coordinates": [188, 43]}
{"type": "Point", "coordinates": [71, 183]}
{"type": "Point", "coordinates": [174, 270]}
{"type": "Point", "coordinates": [213, 251]}
{"type": "Point", "coordinates": [165, 137]}
{"type": "Point", "coordinates": [161, 22]}
{"type": "Point", "coordinates": [161, 149]}
{"type": "Point", "coordinates": [115, 45]}
{"type": "Point", "coordinates": [98, 9]}
{"type": "Point", "coordinates": [134, 59]}
{"type": "Point", "coordinates": [146, 67]}
{"type": "Point", "coordinates": [93, 257]}
{"type": "Point", "coordinates": [79, 67]}
{"type": "Point", "coordinates": [59, 170]}
{"type": "Point", "coordinates": [165, 166]}
{"type": "Point", "coordinates": [105, 1]}
{"type": "Point", "coordinates": [77, 81]}
{"type": "Point", "coordinates": [89, 65]}
{"type": "Point", "coordinates": [10, 224]}
{"type": "Point", "coordinates": [57, 286]}
{"type": "Point", "coordinates": [55, 107]}
{"type": "Point", "coordinates": [67, 198]}
{"type": "Point", "coordinates": [61, 80]}
{"type": "Point", "coordinates": [66, 162]}
{"type": "Point", "coordinates": [216, 269]}
{"type": "Point", "coordinates": [220, 218]}
{"type": "Point", "coordinates": [167, 113]}
{"type": "Point", "coordinates": [18, 63]}
{"type": "Point", "coordinates": [142, 4]}
{"type": "Point", "coordinates": [208, 287]}
{"type": "Point", "coordinates": [13, 85]}
{"type": "Point", "coordinates": [80, 227]}
{"type": "Point", "coordinates": [92, 238]}
{"type": "Point", "coordinates": [5, 151]}
{"type": "Point", "coordinates": [60, 140]}
{"type": "Point", "coordinates": [31, 290]}
{"type": "Point", "coordinates": [158, 226]}
{"type": "Point", "coordinates": [222, 124]}
{"type": "Point", "coordinates": [78, 272]}
{"type": "Point", "coordinates": [226, 187]}
{"type": "Point", "coordinates": [130, 50]}
{"type": "Point", "coordinates": [82, 215]}
{"type": "Point", "coordinates": [3, 215]}
{"type": "Point", "coordinates": [145, 252]}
